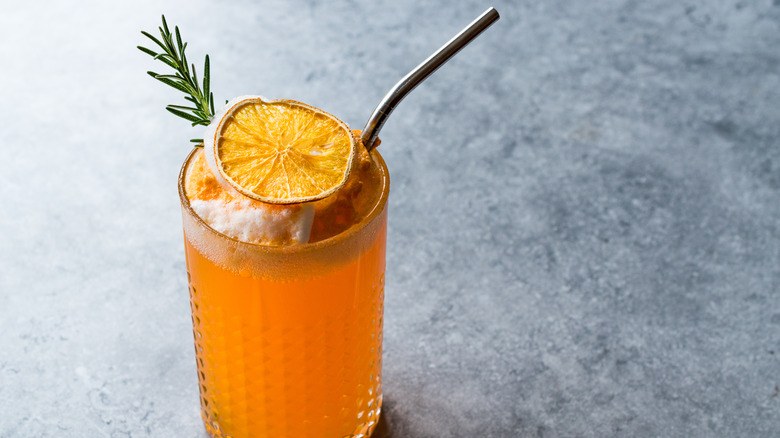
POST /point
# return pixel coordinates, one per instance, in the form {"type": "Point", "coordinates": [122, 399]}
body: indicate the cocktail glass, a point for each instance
{"type": "Point", "coordinates": [288, 340]}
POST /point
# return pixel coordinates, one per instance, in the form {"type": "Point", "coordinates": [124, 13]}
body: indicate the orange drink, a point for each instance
{"type": "Point", "coordinates": [288, 339]}
{"type": "Point", "coordinates": [285, 221]}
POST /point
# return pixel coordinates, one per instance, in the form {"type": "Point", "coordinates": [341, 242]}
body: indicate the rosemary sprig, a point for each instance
{"type": "Point", "coordinates": [183, 80]}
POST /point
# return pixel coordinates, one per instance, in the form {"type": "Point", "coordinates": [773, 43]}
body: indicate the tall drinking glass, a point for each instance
{"type": "Point", "coordinates": [288, 340]}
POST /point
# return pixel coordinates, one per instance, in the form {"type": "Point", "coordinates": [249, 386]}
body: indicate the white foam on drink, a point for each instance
{"type": "Point", "coordinates": [255, 222]}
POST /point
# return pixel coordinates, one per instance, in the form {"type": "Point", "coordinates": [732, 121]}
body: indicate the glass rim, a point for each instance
{"type": "Point", "coordinates": [376, 210]}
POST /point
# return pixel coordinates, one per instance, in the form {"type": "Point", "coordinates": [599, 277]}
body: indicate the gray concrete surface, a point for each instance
{"type": "Point", "coordinates": [584, 237]}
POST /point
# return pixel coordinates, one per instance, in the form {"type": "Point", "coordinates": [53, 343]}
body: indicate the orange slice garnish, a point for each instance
{"type": "Point", "coordinates": [279, 151]}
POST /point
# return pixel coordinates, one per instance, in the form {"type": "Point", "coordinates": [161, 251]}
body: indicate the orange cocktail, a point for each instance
{"type": "Point", "coordinates": [288, 339]}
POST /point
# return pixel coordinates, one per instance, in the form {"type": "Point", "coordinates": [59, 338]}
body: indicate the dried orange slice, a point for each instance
{"type": "Point", "coordinates": [279, 151]}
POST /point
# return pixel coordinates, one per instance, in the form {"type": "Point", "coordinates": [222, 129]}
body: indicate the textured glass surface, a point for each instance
{"type": "Point", "coordinates": [269, 364]}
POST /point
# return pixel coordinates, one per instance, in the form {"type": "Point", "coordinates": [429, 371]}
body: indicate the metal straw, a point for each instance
{"type": "Point", "coordinates": [421, 72]}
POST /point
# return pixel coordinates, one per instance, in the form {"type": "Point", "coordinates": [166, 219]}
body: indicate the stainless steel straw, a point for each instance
{"type": "Point", "coordinates": [421, 72]}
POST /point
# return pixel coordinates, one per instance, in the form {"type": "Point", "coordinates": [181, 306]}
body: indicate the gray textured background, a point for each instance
{"type": "Point", "coordinates": [583, 239]}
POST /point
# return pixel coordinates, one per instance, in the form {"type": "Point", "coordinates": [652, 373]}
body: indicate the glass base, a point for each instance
{"type": "Point", "coordinates": [364, 429]}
